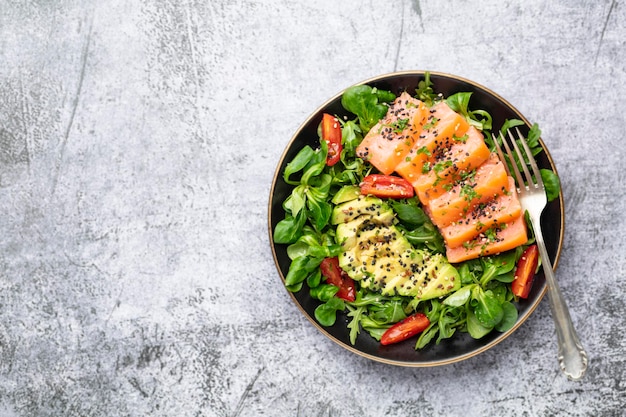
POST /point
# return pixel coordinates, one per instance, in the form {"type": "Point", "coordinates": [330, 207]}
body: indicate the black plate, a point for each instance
{"type": "Point", "coordinates": [461, 346]}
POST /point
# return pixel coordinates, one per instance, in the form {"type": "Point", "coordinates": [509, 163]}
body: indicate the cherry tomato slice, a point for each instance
{"type": "Point", "coordinates": [331, 133]}
{"type": "Point", "coordinates": [338, 277]}
{"type": "Point", "coordinates": [525, 272]}
{"type": "Point", "coordinates": [386, 186]}
{"type": "Point", "coordinates": [405, 329]}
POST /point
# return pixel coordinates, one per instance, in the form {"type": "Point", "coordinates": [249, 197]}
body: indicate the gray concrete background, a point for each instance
{"type": "Point", "coordinates": [138, 141]}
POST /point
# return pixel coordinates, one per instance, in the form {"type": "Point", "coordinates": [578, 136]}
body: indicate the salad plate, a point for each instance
{"type": "Point", "coordinates": [461, 346]}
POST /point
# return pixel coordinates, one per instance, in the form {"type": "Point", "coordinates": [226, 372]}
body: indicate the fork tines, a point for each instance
{"type": "Point", "coordinates": [522, 160]}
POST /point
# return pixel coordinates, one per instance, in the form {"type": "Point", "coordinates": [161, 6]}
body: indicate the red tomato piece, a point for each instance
{"type": "Point", "coordinates": [331, 133]}
{"type": "Point", "coordinates": [338, 277]}
{"type": "Point", "coordinates": [405, 329]}
{"type": "Point", "coordinates": [386, 186]}
{"type": "Point", "coordinates": [525, 272]}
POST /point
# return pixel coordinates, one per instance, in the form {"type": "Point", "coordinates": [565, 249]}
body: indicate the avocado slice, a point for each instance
{"type": "Point", "coordinates": [346, 193]}
{"type": "Point", "coordinates": [352, 209]}
{"type": "Point", "coordinates": [368, 243]}
{"type": "Point", "coordinates": [377, 254]}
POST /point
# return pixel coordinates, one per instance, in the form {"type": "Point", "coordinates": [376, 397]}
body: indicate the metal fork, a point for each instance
{"type": "Point", "coordinates": [571, 355]}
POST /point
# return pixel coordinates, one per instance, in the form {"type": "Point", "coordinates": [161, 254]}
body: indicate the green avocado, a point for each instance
{"type": "Point", "coordinates": [352, 209]}
{"type": "Point", "coordinates": [346, 193]}
{"type": "Point", "coordinates": [377, 254]}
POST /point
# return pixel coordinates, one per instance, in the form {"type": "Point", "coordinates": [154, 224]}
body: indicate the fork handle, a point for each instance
{"type": "Point", "coordinates": [571, 354]}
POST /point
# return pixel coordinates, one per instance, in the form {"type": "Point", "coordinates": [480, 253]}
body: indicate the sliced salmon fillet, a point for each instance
{"type": "Point", "coordinates": [466, 153]}
{"type": "Point", "coordinates": [503, 209]}
{"type": "Point", "coordinates": [388, 142]}
{"type": "Point", "coordinates": [481, 185]}
{"type": "Point", "coordinates": [442, 125]}
{"type": "Point", "coordinates": [503, 238]}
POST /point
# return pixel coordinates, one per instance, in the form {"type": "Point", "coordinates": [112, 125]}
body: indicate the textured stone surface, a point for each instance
{"type": "Point", "coordinates": [138, 141]}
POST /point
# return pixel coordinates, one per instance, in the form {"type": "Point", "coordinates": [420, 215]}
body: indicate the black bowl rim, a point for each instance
{"type": "Point", "coordinates": [416, 364]}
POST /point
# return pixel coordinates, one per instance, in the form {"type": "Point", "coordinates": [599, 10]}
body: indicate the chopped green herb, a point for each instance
{"type": "Point", "coordinates": [424, 90]}
{"type": "Point", "coordinates": [490, 234]}
{"type": "Point", "coordinates": [433, 122]}
{"type": "Point", "coordinates": [399, 125]}
{"type": "Point", "coordinates": [468, 192]}
{"type": "Point", "coordinates": [440, 166]}
{"type": "Point", "coordinates": [469, 245]}
{"type": "Point", "coordinates": [466, 176]}
{"type": "Point", "coordinates": [461, 139]}
{"type": "Point", "coordinates": [423, 150]}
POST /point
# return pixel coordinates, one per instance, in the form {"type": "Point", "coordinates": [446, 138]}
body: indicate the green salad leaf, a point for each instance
{"type": "Point", "coordinates": [374, 313]}
{"type": "Point", "coordinates": [289, 229]}
{"type": "Point", "coordinates": [459, 102]}
{"type": "Point", "coordinates": [551, 182]}
{"type": "Point", "coordinates": [509, 317]}
{"type": "Point", "coordinates": [416, 226]}
{"type": "Point", "coordinates": [425, 92]}
{"type": "Point", "coordinates": [486, 307]}
{"type": "Point", "coordinates": [367, 104]}
{"type": "Point", "coordinates": [326, 313]}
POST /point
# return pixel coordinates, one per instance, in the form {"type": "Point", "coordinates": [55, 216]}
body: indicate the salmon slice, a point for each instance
{"type": "Point", "coordinates": [503, 209]}
{"type": "Point", "coordinates": [481, 185]}
{"type": "Point", "coordinates": [442, 125]}
{"type": "Point", "coordinates": [466, 153]}
{"type": "Point", "coordinates": [504, 237]}
{"type": "Point", "coordinates": [388, 142]}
